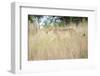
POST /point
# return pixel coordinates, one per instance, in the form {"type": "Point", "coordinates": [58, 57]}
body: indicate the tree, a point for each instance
{"type": "Point", "coordinates": [56, 21]}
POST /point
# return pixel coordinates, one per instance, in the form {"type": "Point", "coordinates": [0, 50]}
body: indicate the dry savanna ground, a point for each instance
{"type": "Point", "coordinates": [58, 43]}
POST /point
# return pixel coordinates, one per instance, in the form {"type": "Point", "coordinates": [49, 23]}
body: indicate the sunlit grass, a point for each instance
{"type": "Point", "coordinates": [50, 44]}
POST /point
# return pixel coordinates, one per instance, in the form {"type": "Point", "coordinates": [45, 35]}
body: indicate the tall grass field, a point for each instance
{"type": "Point", "coordinates": [57, 37]}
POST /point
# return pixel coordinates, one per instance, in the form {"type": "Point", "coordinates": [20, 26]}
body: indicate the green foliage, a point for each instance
{"type": "Point", "coordinates": [61, 21]}
{"type": "Point", "coordinates": [30, 18]}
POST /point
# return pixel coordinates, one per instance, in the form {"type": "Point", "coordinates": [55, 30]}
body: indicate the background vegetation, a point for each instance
{"type": "Point", "coordinates": [57, 37]}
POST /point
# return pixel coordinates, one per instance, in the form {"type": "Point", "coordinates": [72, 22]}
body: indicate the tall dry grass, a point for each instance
{"type": "Point", "coordinates": [60, 43]}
